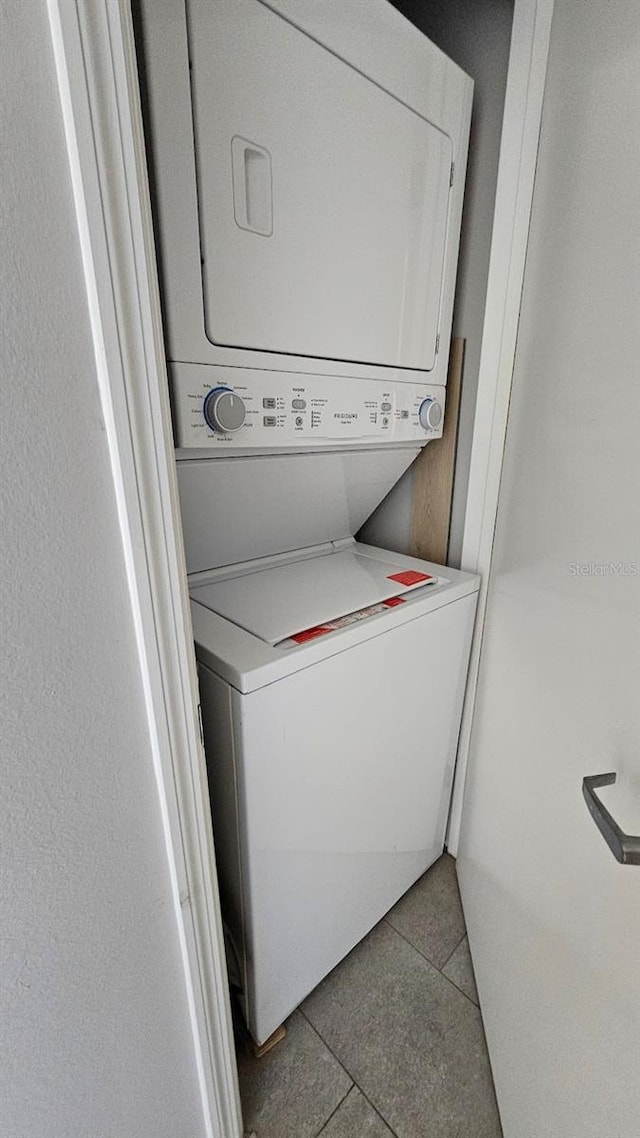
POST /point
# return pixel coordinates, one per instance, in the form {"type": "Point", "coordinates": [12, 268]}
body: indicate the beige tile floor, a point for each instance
{"type": "Point", "coordinates": [391, 1044]}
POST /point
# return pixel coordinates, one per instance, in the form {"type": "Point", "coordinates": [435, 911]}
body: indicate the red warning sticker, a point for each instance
{"type": "Point", "coordinates": [310, 633]}
{"type": "Point", "coordinates": [409, 577]}
{"type": "Point", "coordinates": [340, 622]}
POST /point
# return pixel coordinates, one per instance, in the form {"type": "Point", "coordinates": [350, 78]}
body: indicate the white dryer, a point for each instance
{"type": "Point", "coordinates": [332, 683]}
{"type": "Point", "coordinates": [308, 163]}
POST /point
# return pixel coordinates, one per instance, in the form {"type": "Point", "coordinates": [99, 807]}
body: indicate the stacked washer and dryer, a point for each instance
{"type": "Point", "coordinates": [307, 163]}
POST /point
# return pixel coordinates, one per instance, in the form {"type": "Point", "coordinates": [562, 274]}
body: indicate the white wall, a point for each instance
{"type": "Point", "coordinates": [476, 34]}
{"type": "Point", "coordinates": [95, 1033]}
{"type": "Point", "coordinates": [554, 921]}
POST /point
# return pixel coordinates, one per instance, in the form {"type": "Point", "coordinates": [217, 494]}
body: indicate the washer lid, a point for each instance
{"type": "Point", "coordinates": [280, 602]}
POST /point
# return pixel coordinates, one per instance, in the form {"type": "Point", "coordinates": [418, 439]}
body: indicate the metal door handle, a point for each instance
{"type": "Point", "coordinates": [624, 847]}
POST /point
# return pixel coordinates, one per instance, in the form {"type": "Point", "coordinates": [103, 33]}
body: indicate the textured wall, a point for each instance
{"type": "Point", "coordinates": [95, 1033]}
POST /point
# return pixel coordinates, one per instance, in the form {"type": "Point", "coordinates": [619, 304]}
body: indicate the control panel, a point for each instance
{"type": "Point", "coordinates": [231, 408]}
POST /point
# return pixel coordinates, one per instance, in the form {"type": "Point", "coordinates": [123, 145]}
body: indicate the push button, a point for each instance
{"type": "Point", "coordinates": [385, 406]}
{"type": "Point", "coordinates": [269, 404]}
{"type": "Point", "coordinates": [269, 420]}
{"type": "Point", "coordinates": [299, 404]}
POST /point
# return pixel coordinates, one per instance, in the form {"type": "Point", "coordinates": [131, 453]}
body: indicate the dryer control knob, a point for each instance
{"type": "Point", "coordinates": [430, 414]}
{"type": "Point", "coordinates": [223, 410]}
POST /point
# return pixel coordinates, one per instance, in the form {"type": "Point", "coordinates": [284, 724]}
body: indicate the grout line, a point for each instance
{"type": "Point", "coordinates": [453, 951]}
{"type": "Point", "coordinates": [438, 970]}
{"type": "Point", "coordinates": [472, 1002]}
{"type": "Point", "coordinates": [321, 1037]}
{"type": "Point", "coordinates": [419, 951]}
{"type": "Point", "coordinates": [443, 973]}
{"type": "Point", "coordinates": [343, 1099]}
{"type": "Point", "coordinates": [375, 1109]}
{"type": "Point", "coordinates": [347, 1072]}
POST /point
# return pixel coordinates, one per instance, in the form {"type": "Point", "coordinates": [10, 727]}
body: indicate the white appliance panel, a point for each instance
{"type": "Point", "coordinates": [237, 509]}
{"type": "Point", "coordinates": [323, 200]}
{"type": "Point", "coordinates": [277, 602]}
{"type": "Point", "coordinates": [296, 409]}
{"type": "Point", "coordinates": [343, 773]}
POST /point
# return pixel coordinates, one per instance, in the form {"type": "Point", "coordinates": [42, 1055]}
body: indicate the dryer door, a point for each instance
{"type": "Point", "coordinates": [323, 199]}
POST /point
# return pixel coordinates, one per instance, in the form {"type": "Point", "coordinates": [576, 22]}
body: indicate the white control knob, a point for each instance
{"type": "Point", "coordinates": [224, 411]}
{"type": "Point", "coordinates": [430, 414]}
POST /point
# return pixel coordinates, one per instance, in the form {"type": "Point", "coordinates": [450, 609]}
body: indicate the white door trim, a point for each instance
{"type": "Point", "coordinates": [97, 78]}
{"type": "Point", "coordinates": [514, 193]}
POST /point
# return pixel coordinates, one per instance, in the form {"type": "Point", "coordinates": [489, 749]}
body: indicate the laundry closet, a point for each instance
{"type": "Point", "coordinates": [307, 165]}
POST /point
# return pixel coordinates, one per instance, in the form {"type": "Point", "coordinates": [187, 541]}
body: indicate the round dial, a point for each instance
{"type": "Point", "coordinates": [223, 410]}
{"type": "Point", "coordinates": [430, 414]}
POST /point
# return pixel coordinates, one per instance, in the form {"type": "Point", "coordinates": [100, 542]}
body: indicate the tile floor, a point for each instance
{"type": "Point", "coordinates": [391, 1044]}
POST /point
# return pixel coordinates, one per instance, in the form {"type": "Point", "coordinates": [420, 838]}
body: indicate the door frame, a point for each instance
{"type": "Point", "coordinates": [97, 78]}
{"type": "Point", "coordinates": [98, 83]}
{"type": "Point", "coordinates": [526, 76]}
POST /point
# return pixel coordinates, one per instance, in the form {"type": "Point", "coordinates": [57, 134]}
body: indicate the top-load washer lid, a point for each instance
{"type": "Point", "coordinates": [284, 600]}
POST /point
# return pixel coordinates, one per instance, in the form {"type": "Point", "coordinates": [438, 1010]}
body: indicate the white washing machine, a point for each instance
{"type": "Point", "coordinates": [331, 736]}
{"type": "Point", "coordinates": [308, 170]}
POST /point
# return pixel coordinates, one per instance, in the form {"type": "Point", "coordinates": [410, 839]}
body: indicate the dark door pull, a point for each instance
{"type": "Point", "coordinates": [624, 847]}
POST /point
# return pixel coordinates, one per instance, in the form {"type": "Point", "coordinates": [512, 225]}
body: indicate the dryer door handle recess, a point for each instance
{"type": "Point", "coordinates": [624, 847]}
{"type": "Point", "coordinates": [252, 194]}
